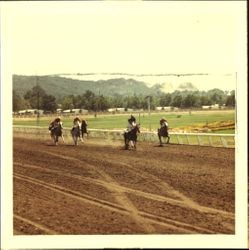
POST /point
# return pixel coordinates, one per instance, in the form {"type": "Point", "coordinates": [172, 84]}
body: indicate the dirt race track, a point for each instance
{"type": "Point", "coordinates": [104, 189]}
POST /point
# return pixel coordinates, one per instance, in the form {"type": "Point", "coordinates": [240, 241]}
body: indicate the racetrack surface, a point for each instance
{"type": "Point", "coordinates": [103, 189]}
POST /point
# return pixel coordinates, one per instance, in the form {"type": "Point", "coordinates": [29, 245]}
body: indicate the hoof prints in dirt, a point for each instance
{"type": "Point", "coordinates": [93, 189]}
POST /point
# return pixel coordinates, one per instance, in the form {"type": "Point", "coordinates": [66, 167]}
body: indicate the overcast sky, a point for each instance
{"type": "Point", "coordinates": [131, 37]}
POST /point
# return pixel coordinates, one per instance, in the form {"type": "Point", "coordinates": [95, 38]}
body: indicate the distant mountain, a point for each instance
{"type": "Point", "coordinates": [62, 86]}
{"type": "Point", "coordinates": [187, 86]}
{"type": "Point", "coordinates": [166, 82]}
{"type": "Point", "coordinates": [166, 87]}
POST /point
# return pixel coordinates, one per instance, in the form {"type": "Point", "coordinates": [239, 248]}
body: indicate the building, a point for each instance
{"type": "Point", "coordinates": [167, 108]}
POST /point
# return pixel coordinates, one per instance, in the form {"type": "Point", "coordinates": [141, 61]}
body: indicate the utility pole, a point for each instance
{"type": "Point", "coordinates": [148, 99]}
{"type": "Point", "coordinates": [38, 102]}
{"type": "Point", "coordinates": [236, 99]}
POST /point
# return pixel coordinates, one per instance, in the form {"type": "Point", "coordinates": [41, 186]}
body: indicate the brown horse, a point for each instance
{"type": "Point", "coordinates": [75, 132]}
{"type": "Point", "coordinates": [56, 132]}
{"type": "Point", "coordinates": [163, 132]}
{"type": "Point", "coordinates": [130, 138]}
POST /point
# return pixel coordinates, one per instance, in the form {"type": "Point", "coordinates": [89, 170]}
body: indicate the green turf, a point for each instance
{"type": "Point", "coordinates": [117, 121]}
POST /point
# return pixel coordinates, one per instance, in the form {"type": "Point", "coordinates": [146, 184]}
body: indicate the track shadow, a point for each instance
{"type": "Point", "coordinates": [60, 145]}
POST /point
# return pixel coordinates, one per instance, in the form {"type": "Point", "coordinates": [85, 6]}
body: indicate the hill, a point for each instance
{"type": "Point", "coordinates": [61, 86]}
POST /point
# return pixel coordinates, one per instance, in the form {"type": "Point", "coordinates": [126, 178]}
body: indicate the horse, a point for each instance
{"type": "Point", "coordinates": [163, 132]}
{"type": "Point", "coordinates": [130, 138]}
{"type": "Point", "coordinates": [56, 132]}
{"type": "Point", "coordinates": [83, 129]}
{"type": "Point", "coordinates": [75, 132]}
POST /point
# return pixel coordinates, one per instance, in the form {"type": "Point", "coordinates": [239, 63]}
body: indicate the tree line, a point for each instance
{"type": "Point", "coordinates": [37, 98]}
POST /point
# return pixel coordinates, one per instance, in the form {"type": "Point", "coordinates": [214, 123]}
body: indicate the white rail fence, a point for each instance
{"type": "Point", "coordinates": [201, 139]}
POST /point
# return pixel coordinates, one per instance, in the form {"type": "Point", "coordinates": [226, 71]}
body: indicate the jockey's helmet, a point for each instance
{"type": "Point", "coordinates": [133, 119]}
{"type": "Point", "coordinates": [58, 119]}
{"type": "Point", "coordinates": [162, 120]}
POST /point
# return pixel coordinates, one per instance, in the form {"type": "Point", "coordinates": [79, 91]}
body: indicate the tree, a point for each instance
{"type": "Point", "coordinates": [35, 97]}
{"type": "Point", "coordinates": [177, 100]}
{"type": "Point", "coordinates": [67, 102]}
{"type": "Point", "coordinates": [230, 100]}
{"type": "Point", "coordinates": [216, 96]}
{"type": "Point", "coordinates": [90, 102]}
{"type": "Point", "coordinates": [204, 100]}
{"type": "Point", "coordinates": [103, 103]}
{"type": "Point", "coordinates": [19, 103]}
{"type": "Point", "coordinates": [49, 103]}
{"type": "Point", "coordinates": [165, 100]}
{"type": "Point", "coordinates": [189, 101]}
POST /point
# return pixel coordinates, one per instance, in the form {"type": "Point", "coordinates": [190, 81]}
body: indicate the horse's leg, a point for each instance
{"type": "Point", "coordinates": [82, 136]}
{"type": "Point", "coordinates": [56, 140]}
{"type": "Point", "coordinates": [125, 138]}
{"type": "Point", "coordinates": [73, 136]}
{"type": "Point", "coordinates": [168, 139]}
{"type": "Point", "coordinates": [135, 143]}
{"type": "Point", "coordinates": [159, 137]}
{"type": "Point", "coordinates": [126, 141]}
{"type": "Point", "coordinates": [62, 137]}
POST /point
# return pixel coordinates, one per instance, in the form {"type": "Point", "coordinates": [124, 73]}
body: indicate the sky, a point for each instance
{"type": "Point", "coordinates": [127, 37]}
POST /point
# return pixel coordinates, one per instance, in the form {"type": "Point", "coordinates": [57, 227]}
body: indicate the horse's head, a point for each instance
{"type": "Point", "coordinates": [136, 129]}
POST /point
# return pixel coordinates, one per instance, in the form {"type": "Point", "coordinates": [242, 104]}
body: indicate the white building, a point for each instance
{"type": "Point", "coordinates": [76, 111]}
{"type": "Point", "coordinates": [167, 108]}
{"type": "Point", "coordinates": [111, 110]}
{"type": "Point", "coordinates": [215, 106]}
{"type": "Point", "coordinates": [31, 112]}
{"type": "Point", "coordinates": [66, 111]}
{"type": "Point", "coordinates": [206, 107]}
{"type": "Point", "coordinates": [120, 109]}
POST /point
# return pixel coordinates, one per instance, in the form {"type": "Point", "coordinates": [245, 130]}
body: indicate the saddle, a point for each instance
{"type": "Point", "coordinates": [163, 131]}
{"type": "Point", "coordinates": [76, 131]}
{"type": "Point", "coordinates": [132, 134]}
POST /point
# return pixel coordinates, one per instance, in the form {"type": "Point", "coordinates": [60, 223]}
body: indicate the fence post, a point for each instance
{"type": "Point", "coordinates": [210, 140]}
{"type": "Point", "coordinates": [178, 139]}
{"type": "Point", "coordinates": [199, 140]}
{"type": "Point", "coordinates": [187, 139]}
{"type": "Point", "coordinates": [224, 142]}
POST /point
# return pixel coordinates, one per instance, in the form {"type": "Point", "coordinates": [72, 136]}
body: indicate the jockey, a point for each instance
{"type": "Point", "coordinates": [131, 123]}
{"type": "Point", "coordinates": [83, 128]}
{"type": "Point", "coordinates": [55, 123]}
{"type": "Point", "coordinates": [76, 122]}
{"type": "Point", "coordinates": [164, 123]}
{"type": "Point", "coordinates": [163, 131]}
{"type": "Point", "coordinates": [130, 133]}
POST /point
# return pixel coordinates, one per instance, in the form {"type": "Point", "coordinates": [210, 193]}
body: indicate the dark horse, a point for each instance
{"type": "Point", "coordinates": [56, 132]}
{"type": "Point", "coordinates": [75, 132]}
{"type": "Point", "coordinates": [163, 132]}
{"type": "Point", "coordinates": [130, 138]}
